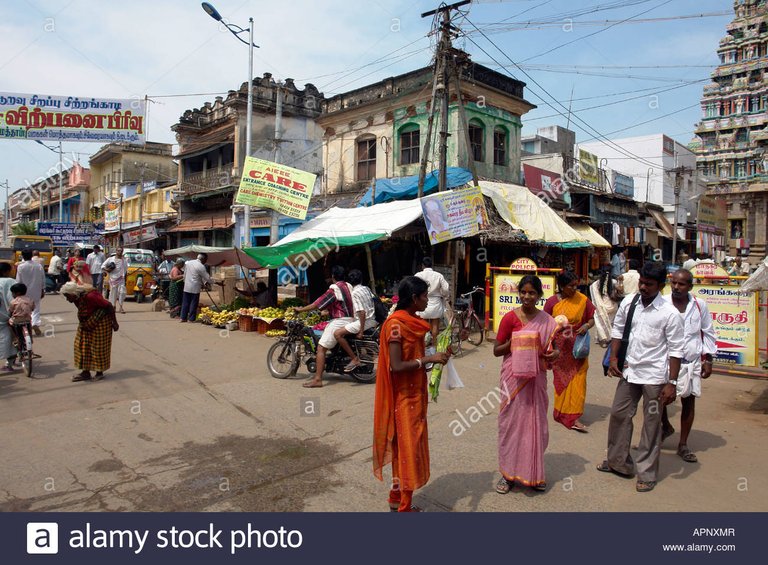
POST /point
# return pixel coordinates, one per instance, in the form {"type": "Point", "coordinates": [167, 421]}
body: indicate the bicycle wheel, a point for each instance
{"type": "Point", "coordinates": [476, 331]}
{"type": "Point", "coordinates": [456, 326]}
{"type": "Point", "coordinates": [26, 362]}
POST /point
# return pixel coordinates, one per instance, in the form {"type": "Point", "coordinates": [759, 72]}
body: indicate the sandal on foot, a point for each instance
{"type": "Point", "coordinates": [98, 376]}
{"type": "Point", "coordinates": [78, 378]}
{"type": "Point", "coordinates": [351, 367]}
{"type": "Point", "coordinates": [541, 487]}
{"type": "Point", "coordinates": [645, 486]}
{"type": "Point", "coordinates": [687, 455]}
{"type": "Point", "coordinates": [503, 486]}
{"type": "Point", "coordinates": [581, 428]}
{"type": "Point", "coordinates": [605, 468]}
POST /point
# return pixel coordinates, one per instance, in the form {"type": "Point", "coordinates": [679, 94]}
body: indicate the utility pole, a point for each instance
{"type": "Point", "coordinates": [141, 204]}
{"type": "Point", "coordinates": [680, 172]}
{"type": "Point", "coordinates": [7, 214]}
{"type": "Point", "coordinates": [444, 71]}
{"type": "Point", "coordinates": [274, 219]}
{"type": "Point", "coordinates": [61, 186]}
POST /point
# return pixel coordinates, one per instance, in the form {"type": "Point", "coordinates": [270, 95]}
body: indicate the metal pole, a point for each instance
{"type": "Point", "coordinates": [674, 227]}
{"type": "Point", "coordinates": [7, 213]}
{"type": "Point", "coordinates": [249, 130]}
{"type": "Point", "coordinates": [61, 185]}
{"type": "Point", "coordinates": [445, 44]}
{"type": "Point", "coordinates": [141, 205]}
{"type": "Point", "coordinates": [273, 226]}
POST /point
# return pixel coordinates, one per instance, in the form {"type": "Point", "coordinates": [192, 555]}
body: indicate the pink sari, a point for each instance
{"type": "Point", "coordinates": [523, 431]}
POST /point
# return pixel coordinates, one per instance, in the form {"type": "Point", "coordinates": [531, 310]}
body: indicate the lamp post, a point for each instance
{"type": "Point", "coordinates": [236, 31]}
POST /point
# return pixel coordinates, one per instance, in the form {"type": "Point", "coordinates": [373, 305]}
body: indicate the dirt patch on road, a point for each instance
{"type": "Point", "coordinates": [240, 473]}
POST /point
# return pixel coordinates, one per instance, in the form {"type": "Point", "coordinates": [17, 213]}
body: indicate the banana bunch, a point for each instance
{"type": "Point", "coordinates": [275, 333]}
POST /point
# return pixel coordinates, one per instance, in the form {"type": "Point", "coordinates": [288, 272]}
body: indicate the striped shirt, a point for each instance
{"type": "Point", "coordinates": [362, 298]}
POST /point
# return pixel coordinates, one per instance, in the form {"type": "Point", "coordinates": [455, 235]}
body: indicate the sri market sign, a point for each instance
{"type": "Point", "coordinates": [265, 184]}
{"type": "Point", "coordinates": [65, 234]}
{"type": "Point", "coordinates": [71, 118]}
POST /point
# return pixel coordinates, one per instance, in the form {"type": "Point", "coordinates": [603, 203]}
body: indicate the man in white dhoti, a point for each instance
{"type": "Point", "coordinates": [700, 346]}
{"type": "Point", "coordinates": [32, 275]}
{"type": "Point", "coordinates": [437, 296]}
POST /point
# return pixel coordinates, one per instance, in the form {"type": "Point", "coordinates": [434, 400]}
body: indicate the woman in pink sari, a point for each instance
{"type": "Point", "coordinates": [523, 339]}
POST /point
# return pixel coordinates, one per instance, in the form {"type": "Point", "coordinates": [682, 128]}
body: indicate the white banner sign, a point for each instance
{"type": "Point", "coordinates": [132, 237]}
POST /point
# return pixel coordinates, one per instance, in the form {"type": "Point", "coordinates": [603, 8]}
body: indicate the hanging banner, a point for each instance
{"type": "Point", "coordinates": [454, 213]}
{"type": "Point", "coordinates": [70, 118]}
{"type": "Point", "coordinates": [147, 233]}
{"type": "Point", "coordinates": [588, 167]}
{"type": "Point", "coordinates": [65, 235]}
{"type": "Point", "coordinates": [111, 215]}
{"type": "Point", "coordinates": [735, 318]}
{"type": "Point", "coordinates": [269, 185]}
{"type": "Point", "coordinates": [713, 213]}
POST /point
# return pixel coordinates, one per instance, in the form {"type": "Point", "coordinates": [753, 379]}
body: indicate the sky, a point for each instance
{"type": "Point", "coordinates": [638, 74]}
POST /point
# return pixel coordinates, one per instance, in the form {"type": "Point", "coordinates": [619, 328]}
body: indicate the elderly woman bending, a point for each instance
{"type": "Point", "coordinates": [93, 340]}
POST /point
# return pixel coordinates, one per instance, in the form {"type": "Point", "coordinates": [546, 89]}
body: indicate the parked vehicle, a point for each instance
{"type": "Point", "coordinates": [300, 344]}
{"type": "Point", "coordinates": [8, 255]}
{"type": "Point", "coordinates": [141, 275]}
{"type": "Point", "coordinates": [40, 243]}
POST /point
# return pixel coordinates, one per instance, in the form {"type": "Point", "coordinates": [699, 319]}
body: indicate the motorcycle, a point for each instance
{"type": "Point", "coordinates": [300, 343]}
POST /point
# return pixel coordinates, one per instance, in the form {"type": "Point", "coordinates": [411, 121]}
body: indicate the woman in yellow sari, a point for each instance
{"type": "Point", "coordinates": [570, 373]}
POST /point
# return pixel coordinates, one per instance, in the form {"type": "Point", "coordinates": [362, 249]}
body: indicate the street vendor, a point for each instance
{"type": "Point", "coordinates": [260, 298]}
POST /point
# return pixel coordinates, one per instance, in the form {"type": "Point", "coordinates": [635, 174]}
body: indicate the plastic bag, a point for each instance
{"type": "Point", "coordinates": [581, 346]}
{"type": "Point", "coordinates": [451, 376]}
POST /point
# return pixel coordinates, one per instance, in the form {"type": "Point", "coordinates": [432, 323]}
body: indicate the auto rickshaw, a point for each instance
{"type": "Point", "coordinates": [141, 275]}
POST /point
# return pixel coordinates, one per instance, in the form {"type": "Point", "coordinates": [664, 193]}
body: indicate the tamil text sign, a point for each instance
{"type": "Point", "coordinates": [146, 233]}
{"type": "Point", "coordinates": [506, 298]}
{"type": "Point", "coordinates": [455, 213]}
{"type": "Point", "coordinates": [713, 212]}
{"type": "Point", "coordinates": [66, 234]}
{"type": "Point", "coordinates": [735, 318]}
{"type": "Point", "coordinates": [269, 185]}
{"type": "Point", "coordinates": [70, 118]}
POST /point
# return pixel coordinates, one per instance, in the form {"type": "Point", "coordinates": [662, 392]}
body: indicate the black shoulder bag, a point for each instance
{"type": "Point", "coordinates": [622, 355]}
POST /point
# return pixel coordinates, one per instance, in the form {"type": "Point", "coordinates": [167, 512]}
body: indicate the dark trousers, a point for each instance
{"type": "Point", "coordinates": [189, 301]}
{"type": "Point", "coordinates": [98, 282]}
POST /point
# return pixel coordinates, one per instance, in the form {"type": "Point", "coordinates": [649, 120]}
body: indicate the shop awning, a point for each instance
{"type": "Point", "coordinates": [587, 232]}
{"type": "Point", "coordinates": [217, 256]}
{"type": "Point", "coordinates": [663, 223]}
{"type": "Point", "coordinates": [129, 226]}
{"type": "Point", "coordinates": [523, 210]}
{"type": "Point", "coordinates": [400, 188]}
{"type": "Point", "coordinates": [205, 221]}
{"type": "Point", "coordinates": [336, 228]}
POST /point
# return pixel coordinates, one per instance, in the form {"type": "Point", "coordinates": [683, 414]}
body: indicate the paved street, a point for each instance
{"type": "Point", "coordinates": [189, 419]}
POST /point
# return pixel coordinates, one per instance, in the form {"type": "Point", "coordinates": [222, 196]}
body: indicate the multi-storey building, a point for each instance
{"type": "Point", "coordinates": [734, 114]}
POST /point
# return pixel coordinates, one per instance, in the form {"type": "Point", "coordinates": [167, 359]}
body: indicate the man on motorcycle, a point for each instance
{"type": "Point", "coordinates": [362, 299]}
{"type": "Point", "coordinates": [338, 301]}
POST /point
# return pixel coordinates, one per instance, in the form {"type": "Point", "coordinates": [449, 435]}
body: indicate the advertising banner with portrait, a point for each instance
{"type": "Point", "coordinates": [265, 184]}
{"type": "Point", "coordinates": [454, 213]}
{"type": "Point", "coordinates": [70, 118]}
{"type": "Point", "coordinates": [112, 215]}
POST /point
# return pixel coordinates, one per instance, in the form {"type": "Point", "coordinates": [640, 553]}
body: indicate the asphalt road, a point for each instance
{"type": "Point", "coordinates": [188, 419]}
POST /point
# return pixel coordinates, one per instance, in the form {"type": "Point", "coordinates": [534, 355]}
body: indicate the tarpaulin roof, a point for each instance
{"type": "Point", "coordinates": [587, 232]}
{"type": "Point", "coordinates": [523, 210]}
{"type": "Point", "coordinates": [402, 188]}
{"type": "Point", "coordinates": [338, 227]}
{"type": "Point", "coordinates": [217, 256]}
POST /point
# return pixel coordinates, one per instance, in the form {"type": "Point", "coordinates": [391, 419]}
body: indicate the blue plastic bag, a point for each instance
{"type": "Point", "coordinates": [581, 346]}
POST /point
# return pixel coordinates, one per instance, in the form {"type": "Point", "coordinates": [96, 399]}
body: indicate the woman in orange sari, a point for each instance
{"type": "Point", "coordinates": [400, 410]}
{"type": "Point", "coordinates": [570, 373]}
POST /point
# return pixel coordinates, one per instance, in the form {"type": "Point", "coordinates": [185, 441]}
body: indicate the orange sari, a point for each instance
{"type": "Point", "coordinates": [400, 409]}
{"type": "Point", "coordinates": [570, 373]}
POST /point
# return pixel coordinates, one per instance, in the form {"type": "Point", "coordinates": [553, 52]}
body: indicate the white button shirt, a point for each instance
{"type": "Point", "coordinates": [697, 321]}
{"type": "Point", "coordinates": [656, 335]}
{"type": "Point", "coordinates": [438, 286]}
{"type": "Point", "coordinates": [195, 276]}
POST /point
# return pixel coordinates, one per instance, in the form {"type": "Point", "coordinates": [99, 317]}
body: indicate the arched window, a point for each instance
{"type": "Point", "coordinates": [409, 144]}
{"type": "Point", "coordinates": [476, 136]}
{"type": "Point", "coordinates": [500, 143]}
{"type": "Point", "coordinates": [366, 158]}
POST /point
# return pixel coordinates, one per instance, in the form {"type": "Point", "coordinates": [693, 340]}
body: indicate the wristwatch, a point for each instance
{"type": "Point", "coordinates": [672, 382]}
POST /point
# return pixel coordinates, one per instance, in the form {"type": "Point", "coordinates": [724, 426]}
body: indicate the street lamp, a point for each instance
{"type": "Point", "coordinates": [236, 31]}
{"type": "Point", "coordinates": [61, 180]}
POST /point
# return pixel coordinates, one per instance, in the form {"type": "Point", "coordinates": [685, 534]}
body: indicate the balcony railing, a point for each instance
{"type": "Point", "coordinates": [206, 181]}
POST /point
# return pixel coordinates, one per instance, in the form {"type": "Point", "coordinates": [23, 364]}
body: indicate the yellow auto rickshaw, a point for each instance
{"type": "Point", "coordinates": [140, 276]}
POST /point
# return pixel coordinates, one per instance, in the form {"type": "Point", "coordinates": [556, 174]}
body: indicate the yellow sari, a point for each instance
{"type": "Point", "coordinates": [570, 374]}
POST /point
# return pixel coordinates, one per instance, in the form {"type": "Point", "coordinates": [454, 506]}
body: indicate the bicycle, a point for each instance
{"type": "Point", "coordinates": [466, 324]}
{"type": "Point", "coordinates": [24, 355]}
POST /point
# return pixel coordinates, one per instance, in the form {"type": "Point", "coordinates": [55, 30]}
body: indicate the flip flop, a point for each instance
{"type": "Point", "coordinates": [645, 486]}
{"type": "Point", "coordinates": [605, 468]}
{"type": "Point", "coordinates": [541, 487]}
{"type": "Point", "coordinates": [351, 367]}
{"type": "Point", "coordinates": [687, 455]}
{"type": "Point", "coordinates": [580, 429]}
{"type": "Point", "coordinates": [503, 486]}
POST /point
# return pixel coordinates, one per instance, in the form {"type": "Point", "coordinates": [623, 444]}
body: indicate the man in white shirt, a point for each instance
{"type": "Point", "coordinates": [94, 261]}
{"type": "Point", "coordinates": [365, 317]}
{"type": "Point", "coordinates": [700, 346]}
{"type": "Point", "coordinates": [195, 278]}
{"type": "Point", "coordinates": [655, 347]}
{"type": "Point", "coordinates": [436, 295]}
{"type": "Point", "coordinates": [630, 280]}
{"type": "Point", "coordinates": [117, 267]}
{"type": "Point", "coordinates": [32, 274]}
{"type": "Point", "coordinates": [55, 268]}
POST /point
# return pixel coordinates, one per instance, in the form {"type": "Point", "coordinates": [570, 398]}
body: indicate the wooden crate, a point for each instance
{"type": "Point", "coordinates": [263, 327]}
{"type": "Point", "coordinates": [246, 323]}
